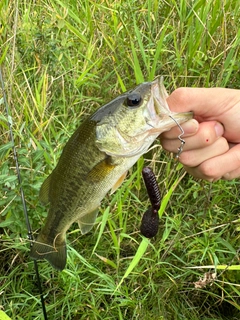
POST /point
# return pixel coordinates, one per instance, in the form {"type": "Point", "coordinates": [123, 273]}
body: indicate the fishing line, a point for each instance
{"type": "Point", "coordinates": [30, 234]}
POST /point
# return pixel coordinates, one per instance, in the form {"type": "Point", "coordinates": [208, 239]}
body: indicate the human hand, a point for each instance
{"type": "Point", "coordinates": [212, 138]}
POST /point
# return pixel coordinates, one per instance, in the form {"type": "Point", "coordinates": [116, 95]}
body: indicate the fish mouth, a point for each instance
{"type": "Point", "coordinates": [160, 117]}
{"type": "Point", "coordinates": [157, 104]}
{"type": "Point", "coordinates": [180, 117]}
{"type": "Point", "coordinates": [159, 94]}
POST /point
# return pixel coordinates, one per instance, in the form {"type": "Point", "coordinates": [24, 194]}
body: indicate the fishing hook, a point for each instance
{"type": "Point", "coordinates": [180, 149]}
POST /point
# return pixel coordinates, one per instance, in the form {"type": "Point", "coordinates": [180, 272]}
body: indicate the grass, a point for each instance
{"type": "Point", "coordinates": [63, 59]}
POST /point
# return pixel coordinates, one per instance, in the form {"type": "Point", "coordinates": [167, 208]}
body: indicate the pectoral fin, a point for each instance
{"type": "Point", "coordinates": [118, 183]}
{"type": "Point", "coordinates": [87, 221]}
{"type": "Point", "coordinates": [101, 170]}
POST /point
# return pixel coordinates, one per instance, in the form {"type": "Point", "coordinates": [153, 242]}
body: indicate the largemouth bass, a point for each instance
{"type": "Point", "coordinates": [96, 159]}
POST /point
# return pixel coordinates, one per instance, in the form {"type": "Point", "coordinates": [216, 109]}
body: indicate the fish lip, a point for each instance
{"type": "Point", "coordinates": [157, 106]}
{"type": "Point", "coordinates": [158, 109]}
{"type": "Point", "coordinates": [158, 101]}
{"type": "Point", "coordinates": [181, 116]}
{"type": "Point", "coordinates": [160, 95]}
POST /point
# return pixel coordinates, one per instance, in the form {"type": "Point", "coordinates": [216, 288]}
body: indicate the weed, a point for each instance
{"type": "Point", "coordinates": [62, 59]}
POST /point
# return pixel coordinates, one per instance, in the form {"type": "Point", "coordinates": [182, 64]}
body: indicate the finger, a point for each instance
{"type": "Point", "coordinates": [225, 166]}
{"type": "Point", "coordinates": [189, 127]}
{"type": "Point", "coordinates": [232, 175]}
{"type": "Point", "coordinates": [195, 157]}
{"type": "Point", "coordinates": [206, 135]}
{"type": "Point", "coordinates": [218, 104]}
{"type": "Point", "coordinates": [204, 102]}
{"type": "Point", "coordinates": [233, 156]}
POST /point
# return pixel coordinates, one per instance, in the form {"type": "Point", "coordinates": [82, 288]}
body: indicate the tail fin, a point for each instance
{"type": "Point", "coordinates": [55, 255]}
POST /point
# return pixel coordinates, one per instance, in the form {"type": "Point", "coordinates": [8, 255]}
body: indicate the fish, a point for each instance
{"type": "Point", "coordinates": [96, 160]}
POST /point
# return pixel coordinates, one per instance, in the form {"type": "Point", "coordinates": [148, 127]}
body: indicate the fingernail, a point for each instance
{"type": "Point", "coordinates": [190, 127]}
{"type": "Point", "coordinates": [219, 129]}
{"type": "Point", "coordinates": [226, 176]}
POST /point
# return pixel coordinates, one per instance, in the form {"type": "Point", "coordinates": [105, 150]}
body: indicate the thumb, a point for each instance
{"type": "Point", "coordinates": [206, 103]}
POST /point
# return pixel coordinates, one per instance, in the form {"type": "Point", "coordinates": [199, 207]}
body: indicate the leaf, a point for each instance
{"type": "Point", "coordinates": [106, 260]}
{"type": "Point", "coordinates": [3, 316]}
{"type": "Point", "coordinates": [140, 252]}
{"type": "Point", "coordinates": [136, 66]}
{"type": "Point", "coordinates": [103, 224]}
{"type": "Point", "coordinates": [4, 224]}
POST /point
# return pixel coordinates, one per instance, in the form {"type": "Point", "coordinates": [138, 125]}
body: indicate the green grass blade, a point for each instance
{"type": "Point", "coordinates": [102, 227]}
{"type": "Point", "coordinates": [136, 65]}
{"type": "Point", "coordinates": [138, 256]}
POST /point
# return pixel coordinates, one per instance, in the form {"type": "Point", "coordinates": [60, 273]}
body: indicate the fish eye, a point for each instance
{"type": "Point", "coordinates": [133, 100]}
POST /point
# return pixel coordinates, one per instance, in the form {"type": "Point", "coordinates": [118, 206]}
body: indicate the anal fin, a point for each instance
{"type": "Point", "coordinates": [87, 221]}
{"type": "Point", "coordinates": [119, 182]}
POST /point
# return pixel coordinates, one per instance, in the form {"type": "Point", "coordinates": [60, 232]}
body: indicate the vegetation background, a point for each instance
{"type": "Point", "coordinates": [61, 59]}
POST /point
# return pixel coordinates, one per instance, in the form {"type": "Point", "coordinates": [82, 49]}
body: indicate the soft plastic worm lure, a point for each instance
{"type": "Point", "coordinates": [150, 220]}
{"type": "Point", "coordinates": [150, 223]}
{"type": "Point", "coordinates": [152, 187]}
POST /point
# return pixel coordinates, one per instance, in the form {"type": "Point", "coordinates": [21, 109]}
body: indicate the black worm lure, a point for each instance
{"type": "Point", "coordinates": [152, 187]}
{"type": "Point", "coordinates": [150, 220]}
{"type": "Point", "coordinates": [150, 223]}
